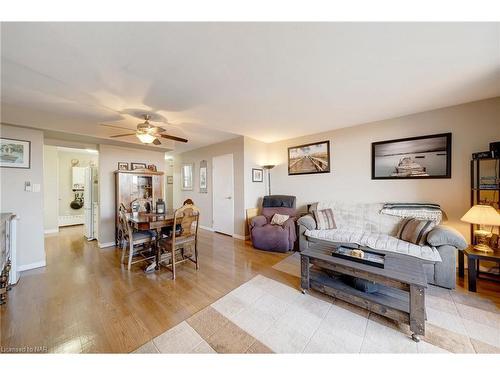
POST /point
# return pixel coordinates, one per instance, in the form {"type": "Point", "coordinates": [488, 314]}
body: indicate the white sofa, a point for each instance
{"type": "Point", "coordinates": [364, 225]}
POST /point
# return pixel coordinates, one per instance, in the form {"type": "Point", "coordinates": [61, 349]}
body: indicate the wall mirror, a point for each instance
{"type": "Point", "coordinates": [187, 176]}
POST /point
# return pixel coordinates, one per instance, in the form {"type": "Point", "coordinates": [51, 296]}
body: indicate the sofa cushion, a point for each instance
{"type": "Point", "coordinates": [444, 235]}
{"type": "Point", "coordinates": [307, 221]}
{"type": "Point", "coordinates": [415, 230]}
{"type": "Point", "coordinates": [376, 241]}
{"type": "Point", "coordinates": [361, 216]}
{"type": "Point", "coordinates": [422, 211]}
{"type": "Point", "coordinates": [324, 219]}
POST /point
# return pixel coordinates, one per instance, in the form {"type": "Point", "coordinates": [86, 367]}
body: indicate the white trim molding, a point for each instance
{"type": "Point", "coordinates": [240, 237]}
{"type": "Point", "coordinates": [50, 231]}
{"type": "Point", "coordinates": [106, 244]}
{"type": "Point", "coordinates": [31, 266]}
{"type": "Point", "coordinates": [206, 228]}
{"type": "Point", "coordinates": [67, 220]}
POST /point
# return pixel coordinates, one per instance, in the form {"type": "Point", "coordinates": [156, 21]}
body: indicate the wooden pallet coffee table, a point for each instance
{"type": "Point", "coordinates": [402, 283]}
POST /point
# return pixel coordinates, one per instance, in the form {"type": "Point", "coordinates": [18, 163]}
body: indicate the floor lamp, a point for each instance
{"type": "Point", "coordinates": [268, 169]}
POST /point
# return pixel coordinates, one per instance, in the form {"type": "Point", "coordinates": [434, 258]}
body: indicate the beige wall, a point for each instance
{"type": "Point", "coordinates": [473, 127]}
{"type": "Point", "coordinates": [66, 194]}
{"type": "Point", "coordinates": [255, 157]}
{"type": "Point", "coordinates": [109, 156]}
{"type": "Point", "coordinates": [204, 201]}
{"type": "Point", "coordinates": [169, 188]}
{"type": "Point", "coordinates": [50, 191]}
{"type": "Point", "coordinates": [27, 205]}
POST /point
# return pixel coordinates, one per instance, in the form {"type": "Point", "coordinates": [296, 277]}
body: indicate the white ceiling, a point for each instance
{"type": "Point", "coordinates": [213, 81]}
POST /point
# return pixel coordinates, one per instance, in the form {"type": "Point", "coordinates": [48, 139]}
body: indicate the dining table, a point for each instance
{"type": "Point", "coordinates": [153, 222]}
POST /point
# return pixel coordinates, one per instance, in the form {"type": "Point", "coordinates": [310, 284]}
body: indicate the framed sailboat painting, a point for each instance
{"type": "Point", "coordinates": [427, 156]}
{"type": "Point", "coordinates": [15, 153]}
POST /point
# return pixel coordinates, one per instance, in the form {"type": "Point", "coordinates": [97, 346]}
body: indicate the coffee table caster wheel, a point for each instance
{"type": "Point", "coordinates": [415, 337]}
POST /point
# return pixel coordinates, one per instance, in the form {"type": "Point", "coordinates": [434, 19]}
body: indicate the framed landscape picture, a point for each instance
{"type": "Point", "coordinates": [310, 158]}
{"type": "Point", "coordinates": [428, 156]}
{"type": "Point", "coordinates": [15, 153]}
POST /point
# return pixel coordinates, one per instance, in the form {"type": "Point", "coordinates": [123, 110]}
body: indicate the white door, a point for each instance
{"type": "Point", "coordinates": [87, 204]}
{"type": "Point", "coordinates": [223, 194]}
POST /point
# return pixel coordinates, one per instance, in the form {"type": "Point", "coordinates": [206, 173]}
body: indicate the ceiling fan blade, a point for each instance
{"type": "Point", "coordinates": [174, 138]}
{"type": "Point", "coordinates": [116, 127]}
{"type": "Point", "coordinates": [156, 142]}
{"type": "Point", "coordinates": [121, 135]}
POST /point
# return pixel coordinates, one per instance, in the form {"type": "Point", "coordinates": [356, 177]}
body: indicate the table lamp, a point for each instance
{"type": "Point", "coordinates": [482, 215]}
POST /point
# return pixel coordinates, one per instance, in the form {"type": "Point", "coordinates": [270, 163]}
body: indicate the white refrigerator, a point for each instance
{"type": "Point", "coordinates": [90, 203]}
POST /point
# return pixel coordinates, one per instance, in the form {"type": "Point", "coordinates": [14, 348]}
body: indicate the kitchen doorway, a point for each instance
{"type": "Point", "coordinates": [71, 190]}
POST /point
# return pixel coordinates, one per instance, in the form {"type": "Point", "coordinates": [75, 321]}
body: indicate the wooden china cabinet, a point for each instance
{"type": "Point", "coordinates": [140, 188]}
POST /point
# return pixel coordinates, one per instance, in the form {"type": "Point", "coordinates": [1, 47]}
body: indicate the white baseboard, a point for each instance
{"type": "Point", "coordinates": [49, 231]}
{"type": "Point", "coordinates": [31, 266]}
{"type": "Point", "coordinates": [106, 244]}
{"type": "Point", "coordinates": [67, 220]}
{"type": "Point", "coordinates": [206, 228]}
{"type": "Point", "coordinates": [240, 237]}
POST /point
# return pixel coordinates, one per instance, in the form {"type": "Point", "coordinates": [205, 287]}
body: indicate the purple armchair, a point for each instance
{"type": "Point", "coordinates": [269, 237]}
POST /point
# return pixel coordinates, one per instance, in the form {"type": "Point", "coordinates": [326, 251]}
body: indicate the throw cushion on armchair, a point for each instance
{"type": "Point", "coordinates": [279, 219]}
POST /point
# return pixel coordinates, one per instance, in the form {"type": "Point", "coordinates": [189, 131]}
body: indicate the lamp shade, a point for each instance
{"type": "Point", "coordinates": [482, 214]}
{"type": "Point", "coordinates": [146, 137]}
{"type": "Point", "coordinates": [269, 166]}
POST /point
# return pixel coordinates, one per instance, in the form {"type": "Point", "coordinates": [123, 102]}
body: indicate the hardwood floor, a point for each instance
{"type": "Point", "coordinates": [83, 301]}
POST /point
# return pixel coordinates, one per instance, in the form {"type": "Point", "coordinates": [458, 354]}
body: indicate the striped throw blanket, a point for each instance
{"type": "Point", "coordinates": [424, 211]}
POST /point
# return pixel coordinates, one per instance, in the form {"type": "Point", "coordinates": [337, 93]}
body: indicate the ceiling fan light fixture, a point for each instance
{"type": "Point", "coordinates": [146, 137]}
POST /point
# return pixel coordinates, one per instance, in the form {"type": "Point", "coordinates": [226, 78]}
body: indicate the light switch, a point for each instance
{"type": "Point", "coordinates": [36, 188]}
{"type": "Point", "coordinates": [27, 186]}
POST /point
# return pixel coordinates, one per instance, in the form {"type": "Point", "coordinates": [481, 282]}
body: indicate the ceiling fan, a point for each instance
{"type": "Point", "coordinates": [147, 133]}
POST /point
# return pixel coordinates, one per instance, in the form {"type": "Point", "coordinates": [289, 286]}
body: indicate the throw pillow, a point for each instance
{"type": "Point", "coordinates": [415, 230]}
{"type": "Point", "coordinates": [324, 219]}
{"type": "Point", "coordinates": [279, 219]}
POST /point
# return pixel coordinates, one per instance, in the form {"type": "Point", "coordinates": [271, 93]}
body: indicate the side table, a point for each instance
{"type": "Point", "coordinates": [473, 258]}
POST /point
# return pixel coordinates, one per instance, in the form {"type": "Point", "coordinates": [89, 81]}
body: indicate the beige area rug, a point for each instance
{"type": "Point", "coordinates": [265, 316]}
{"type": "Point", "coordinates": [290, 265]}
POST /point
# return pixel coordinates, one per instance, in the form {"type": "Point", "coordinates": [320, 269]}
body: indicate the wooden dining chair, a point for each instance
{"type": "Point", "coordinates": [181, 247]}
{"type": "Point", "coordinates": [136, 242]}
{"type": "Point", "coordinates": [121, 225]}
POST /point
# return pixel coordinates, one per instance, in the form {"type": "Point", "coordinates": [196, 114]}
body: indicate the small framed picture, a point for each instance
{"type": "Point", "coordinates": [170, 180]}
{"type": "Point", "coordinates": [203, 176]}
{"type": "Point", "coordinates": [495, 241]}
{"type": "Point", "coordinates": [138, 166]}
{"type": "Point", "coordinates": [122, 166]}
{"type": "Point", "coordinates": [187, 176]}
{"type": "Point", "coordinates": [152, 167]}
{"type": "Point", "coordinates": [15, 153]}
{"type": "Point", "coordinates": [257, 175]}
